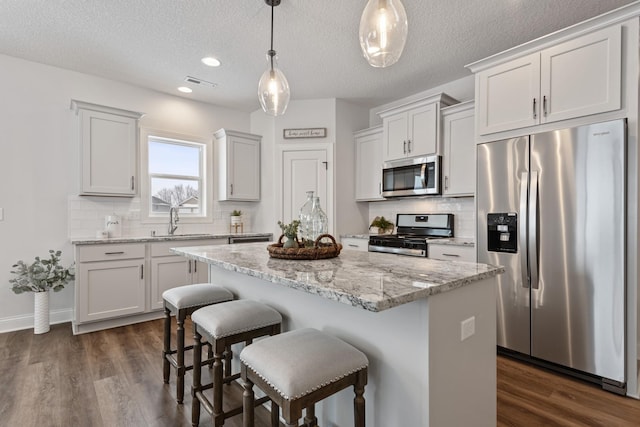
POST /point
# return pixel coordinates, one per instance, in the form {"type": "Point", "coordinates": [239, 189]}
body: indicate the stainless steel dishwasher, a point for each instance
{"type": "Point", "coordinates": [250, 239]}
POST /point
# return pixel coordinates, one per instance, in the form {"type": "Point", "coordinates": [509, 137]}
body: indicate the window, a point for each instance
{"type": "Point", "coordinates": [175, 176]}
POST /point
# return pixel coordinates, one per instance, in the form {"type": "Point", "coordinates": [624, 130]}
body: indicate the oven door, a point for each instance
{"type": "Point", "coordinates": [411, 177]}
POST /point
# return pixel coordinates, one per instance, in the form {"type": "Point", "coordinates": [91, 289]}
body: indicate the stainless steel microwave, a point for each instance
{"type": "Point", "coordinates": [418, 176]}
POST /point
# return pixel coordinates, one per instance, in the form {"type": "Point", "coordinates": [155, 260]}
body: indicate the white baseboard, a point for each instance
{"type": "Point", "coordinates": [17, 323]}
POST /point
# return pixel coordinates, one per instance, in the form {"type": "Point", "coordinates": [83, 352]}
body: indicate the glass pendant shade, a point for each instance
{"type": "Point", "coordinates": [273, 89]}
{"type": "Point", "coordinates": [383, 32]}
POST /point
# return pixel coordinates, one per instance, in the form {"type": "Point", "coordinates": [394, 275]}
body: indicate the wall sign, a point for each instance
{"type": "Point", "coordinates": [305, 133]}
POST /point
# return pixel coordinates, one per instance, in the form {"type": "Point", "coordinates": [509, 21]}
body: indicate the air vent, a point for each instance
{"type": "Point", "coordinates": [197, 81]}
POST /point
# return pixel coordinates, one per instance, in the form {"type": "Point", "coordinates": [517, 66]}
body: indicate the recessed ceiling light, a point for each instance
{"type": "Point", "coordinates": [185, 89]}
{"type": "Point", "coordinates": [211, 61]}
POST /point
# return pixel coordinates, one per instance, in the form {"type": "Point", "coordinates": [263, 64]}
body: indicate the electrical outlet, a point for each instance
{"type": "Point", "coordinates": [467, 328]}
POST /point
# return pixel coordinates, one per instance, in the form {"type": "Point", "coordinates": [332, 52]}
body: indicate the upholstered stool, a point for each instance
{"type": "Point", "coordinates": [299, 368]}
{"type": "Point", "coordinates": [223, 325]}
{"type": "Point", "coordinates": [182, 301]}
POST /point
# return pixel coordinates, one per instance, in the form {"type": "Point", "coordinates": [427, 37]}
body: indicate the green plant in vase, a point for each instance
{"type": "Point", "coordinates": [290, 231]}
{"type": "Point", "coordinates": [39, 277]}
{"type": "Point", "coordinates": [382, 224]}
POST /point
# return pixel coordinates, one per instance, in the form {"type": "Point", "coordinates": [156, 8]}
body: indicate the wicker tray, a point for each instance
{"type": "Point", "coordinates": [318, 251]}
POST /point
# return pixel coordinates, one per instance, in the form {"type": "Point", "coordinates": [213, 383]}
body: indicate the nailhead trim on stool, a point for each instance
{"type": "Point", "coordinates": [182, 301]}
{"type": "Point", "coordinates": [223, 325]}
{"type": "Point", "coordinates": [299, 368]}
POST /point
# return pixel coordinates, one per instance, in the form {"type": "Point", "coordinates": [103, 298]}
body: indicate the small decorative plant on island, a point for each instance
{"type": "Point", "coordinates": [39, 277]}
{"type": "Point", "coordinates": [290, 231]}
{"type": "Point", "coordinates": [382, 224]}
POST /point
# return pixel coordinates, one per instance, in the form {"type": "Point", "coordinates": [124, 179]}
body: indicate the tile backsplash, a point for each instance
{"type": "Point", "coordinates": [86, 217]}
{"type": "Point", "coordinates": [463, 209]}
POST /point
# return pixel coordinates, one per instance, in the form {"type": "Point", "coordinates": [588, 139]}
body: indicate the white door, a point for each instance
{"type": "Point", "coordinates": [304, 169]}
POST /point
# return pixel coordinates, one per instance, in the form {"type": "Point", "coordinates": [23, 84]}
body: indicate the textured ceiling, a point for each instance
{"type": "Point", "coordinates": [157, 43]}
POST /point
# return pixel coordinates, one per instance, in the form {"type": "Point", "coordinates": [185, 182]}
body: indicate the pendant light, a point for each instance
{"type": "Point", "coordinates": [273, 88]}
{"type": "Point", "coordinates": [383, 32]}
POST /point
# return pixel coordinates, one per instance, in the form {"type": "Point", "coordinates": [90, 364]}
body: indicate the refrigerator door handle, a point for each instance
{"type": "Point", "coordinates": [533, 230]}
{"type": "Point", "coordinates": [522, 232]}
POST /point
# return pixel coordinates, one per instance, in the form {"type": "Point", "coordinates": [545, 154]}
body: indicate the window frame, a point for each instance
{"type": "Point", "coordinates": [206, 180]}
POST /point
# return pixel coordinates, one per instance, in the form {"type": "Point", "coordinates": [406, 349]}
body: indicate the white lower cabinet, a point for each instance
{"type": "Point", "coordinates": [119, 284]}
{"type": "Point", "coordinates": [170, 271]}
{"type": "Point", "coordinates": [110, 281]}
{"type": "Point", "coordinates": [355, 243]}
{"type": "Point", "coordinates": [452, 252]}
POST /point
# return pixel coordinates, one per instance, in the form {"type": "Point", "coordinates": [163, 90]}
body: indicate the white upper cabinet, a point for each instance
{"type": "Point", "coordinates": [237, 165]}
{"type": "Point", "coordinates": [459, 160]}
{"type": "Point", "coordinates": [411, 130]}
{"type": "Point", "coordinates": [369, 164]}
{"type": "Point", "coordinates": [576, 78]}
{"type": "Point", "coordinates": [108, 150]}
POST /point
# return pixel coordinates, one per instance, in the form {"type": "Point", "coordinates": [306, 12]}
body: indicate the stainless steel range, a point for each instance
{"type": "Point", "coordinates": [412, 233]}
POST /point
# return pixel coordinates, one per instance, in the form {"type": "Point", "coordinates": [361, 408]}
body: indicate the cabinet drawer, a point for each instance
{"type": "Point", "coordinates": [452, 252]}
{"type": "Point", "coordinates": [355, 244]}
{"type": "Point", "coordinates": [163, 248]}
{"type": "Point", "coordinates": [110, 252]}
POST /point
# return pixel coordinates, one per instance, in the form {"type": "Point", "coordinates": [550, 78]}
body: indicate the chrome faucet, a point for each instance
{"type": "Point", "coordinates": [173, 220]}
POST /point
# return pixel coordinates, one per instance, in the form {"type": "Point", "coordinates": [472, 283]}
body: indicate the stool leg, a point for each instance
{"type": "Point", "coordinates": [310, 419]}
{"type": "Point", "coordinates": [180, 353]}
{"type": "Point", "coordinates": [228, 355]}
{"type": "Point", "coordinates": [166, 367]}
{"type": "Point", "coordinates": [358, 405]}
{"type": "Point", "coordinates": [275, 414]}
{"type": "Point", "coordinates": [247, 400]}
{"type": "Point", "coordinates": [210, 355]}
{"type": "Point", "coordinates": [217, 383]}
{"type": "Point", "coordinates": [197, 380]}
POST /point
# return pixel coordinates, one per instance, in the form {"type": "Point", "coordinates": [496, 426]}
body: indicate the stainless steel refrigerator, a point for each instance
{"type": "Point", "coordinates": [551, 210]}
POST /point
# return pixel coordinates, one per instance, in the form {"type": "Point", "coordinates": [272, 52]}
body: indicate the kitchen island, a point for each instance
{"type": "Point", "coordinates": [427, 326]}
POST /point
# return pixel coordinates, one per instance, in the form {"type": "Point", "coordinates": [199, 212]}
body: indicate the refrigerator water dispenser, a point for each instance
{"type": "Point", "coordinates": [502, 232]}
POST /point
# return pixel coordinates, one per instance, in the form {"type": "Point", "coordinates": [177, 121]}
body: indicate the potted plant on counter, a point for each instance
{"type": "Point", "coordinates": [236, 217]}
{"type": "Point", "coordinates": [38, 277]}
{"type": "Point", "coordinates": [382, 224]}
{"type": "Point", "coordinates": [290, 231]}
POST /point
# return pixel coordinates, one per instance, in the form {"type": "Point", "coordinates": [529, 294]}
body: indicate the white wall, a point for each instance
{"type": "Point", "coordinates": [39, 164]}
{"type": "Point", "coordinates": [341, 119]}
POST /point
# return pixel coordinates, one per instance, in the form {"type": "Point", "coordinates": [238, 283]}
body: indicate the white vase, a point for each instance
{"type": "Point", "coordinates": [41, 313]}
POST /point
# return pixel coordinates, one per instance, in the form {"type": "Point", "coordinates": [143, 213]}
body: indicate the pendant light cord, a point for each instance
{"type": "Point", "coordinates": [271, 51]}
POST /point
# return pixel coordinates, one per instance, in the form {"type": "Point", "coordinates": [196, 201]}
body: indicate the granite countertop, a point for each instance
{"type": "Point", "coordinates": [368, 280]}
{"type": "Point", "coordinates": [454, 241]}
{"type": "Point", "coordinates": [163, 238]}
{"type": "Point", "coordinates": [354, 236]}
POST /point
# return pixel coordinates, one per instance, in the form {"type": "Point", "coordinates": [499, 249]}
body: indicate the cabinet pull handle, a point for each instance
{"type": "Point", "coordinates": [535, 116]}
{"type": "Point", "coordinates": [132, 182]}
{"type": "Point", "coordinates": [195, 266]}
{"type": "Point", "coordinates": [454, 255]}
{"type": "Point", "coordinates": [231, 189]}
{"type": "Point", "coordinates": [189, 266]}
{"type": "Point", "coordinates": [446, 182]}
{"type": "Point", "coordinates": [114, 253]}
{"type": "Point", "coordinates": [409, 146]}
{"type": "Point", "coordinates": [379, 188]}
{"type": "Point", "coordinates": [351, 245]}
{"type": "Point", "coordinates": [404, 147]}
{"type": "Point", "coordinates": [142, 271]}
{"type": "Point", "coordinates": [544, 105]}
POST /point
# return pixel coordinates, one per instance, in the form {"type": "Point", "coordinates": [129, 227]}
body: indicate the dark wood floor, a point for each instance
{"type": "Point", "coordinates": [114, 378]}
